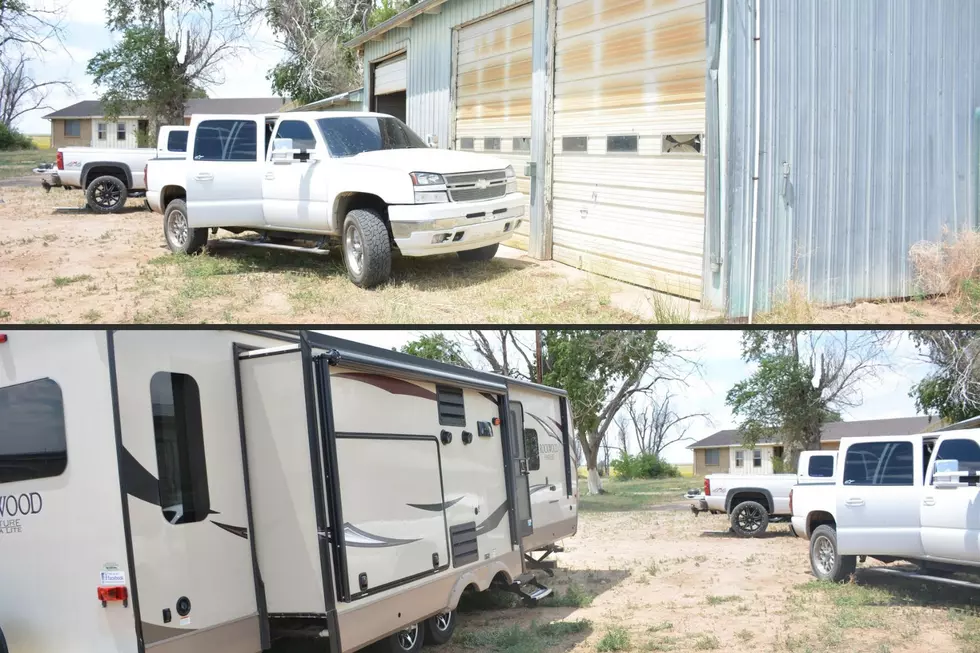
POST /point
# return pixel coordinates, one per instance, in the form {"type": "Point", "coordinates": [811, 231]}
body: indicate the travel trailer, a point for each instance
{"type": "Point", "coordinates": [187, 491]}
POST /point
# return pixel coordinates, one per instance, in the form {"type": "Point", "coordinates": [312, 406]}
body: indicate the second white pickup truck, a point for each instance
{"type": "Point", "coordinates": [110, 175]}
{"type": "Point", "coordinates": [914, 498]}
{"type": "Point", "coordinates": [364, 180]}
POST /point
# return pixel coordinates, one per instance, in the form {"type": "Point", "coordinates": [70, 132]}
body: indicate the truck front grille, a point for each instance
{"type": "Point", "coordinates": [476, 186]}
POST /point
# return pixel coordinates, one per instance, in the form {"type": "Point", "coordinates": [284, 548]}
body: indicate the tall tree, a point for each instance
{"type": "Point", "coordinates": [656, 424]}
{"type": "Point", "coordinates": [803, 379]}
{"type": "Point", "coordinates": [312, 34]}
{"type": "Point", "coordinates": [601, 370]}
{"type": "Point", "coordinates": [437, 347]}
{"type": "Point", "coordinates": [168, 50]}
{"type": "Point", "coordinates": [952, 391]}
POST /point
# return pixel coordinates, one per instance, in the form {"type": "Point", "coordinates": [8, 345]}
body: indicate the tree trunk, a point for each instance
{"type": "Point", "coordinates": [592, 465]}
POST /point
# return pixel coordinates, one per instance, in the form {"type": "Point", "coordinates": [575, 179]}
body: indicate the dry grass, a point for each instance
{"type": "Point", "coordinates": [791, 305]}
{"type": "Point", "coordinates": [950, 268]}
{"type": "Point", "coordinates": [74, 267]}
{"type": "Point", "coordinates": [20, 164]}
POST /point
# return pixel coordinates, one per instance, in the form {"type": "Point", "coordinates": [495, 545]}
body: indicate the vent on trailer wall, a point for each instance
{"type": "Point", "coordinates": [450, 402]}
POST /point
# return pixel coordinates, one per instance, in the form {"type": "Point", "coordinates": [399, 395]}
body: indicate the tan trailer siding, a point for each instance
{"type": "Point", "coordinates": [493, 93]}
{"type": "Point", "coordinates": [625, 68]}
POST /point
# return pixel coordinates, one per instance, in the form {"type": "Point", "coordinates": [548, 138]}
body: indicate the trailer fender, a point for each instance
{"type": "Point", "coordinates": [480, 578]}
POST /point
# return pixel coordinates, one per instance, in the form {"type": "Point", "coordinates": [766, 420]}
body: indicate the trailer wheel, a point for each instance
{"type": "Point", "coordinates": [181, 238]}
{"type": "Point", "coordinates": [825, 560]}
{"type": "Point", "coordinates": [439, 629]}
{"type": "Point", "coordinates": [367, 248]}
{"type": "Point", "coordinates": [409, 640]}
{"type": "Point", "coordinates": [106, 194]}
{"type": "Point", "coordinates": [3, 642]}
{"type": "Point", "coordinates": [478, 254]}
{"type": "Point", "coordinates": [750, 519]}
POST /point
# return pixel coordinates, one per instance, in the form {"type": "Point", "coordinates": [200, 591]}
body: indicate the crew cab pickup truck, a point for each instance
{"type": "Point", "coordinates": [752, 501]}
{"type": "Point", "coordinates": [811, 501]}
{"type": "Point", "coordinates": [110, 176]}
{"type": "Point", "coordinates": [914, 498]}
{"type": "Point", "coordinates": [362, 179]}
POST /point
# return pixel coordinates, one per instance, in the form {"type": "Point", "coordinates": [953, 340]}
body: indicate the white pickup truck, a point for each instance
{"type": "Point", "coordinates": [914, 498]}
{"type": "Point", "coordinates": [363, 179]}
{"type": "Point", "coordinates": [753, 501]}
{"type": "Point", "coordinates": [109, 176]}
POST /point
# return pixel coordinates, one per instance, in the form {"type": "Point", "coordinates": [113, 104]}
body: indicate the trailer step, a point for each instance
{"type": "Point", "coordinates": [529, 588]}
{"type": "Point", "coordinates": [914, 575]}
{"type": "Point", "coordinates": [221, 242]}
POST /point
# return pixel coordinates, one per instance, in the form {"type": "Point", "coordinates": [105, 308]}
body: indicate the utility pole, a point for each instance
{"type": "Point", "coordinates": [537, 354]}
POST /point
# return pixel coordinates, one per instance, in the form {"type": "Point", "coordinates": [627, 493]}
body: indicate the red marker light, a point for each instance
{"type": "Point", "coordinates": [3, 338]}
{"type": "Point", "coordinates": [496, 421]}
{"type": "Point", "coordinates": [114, 593]}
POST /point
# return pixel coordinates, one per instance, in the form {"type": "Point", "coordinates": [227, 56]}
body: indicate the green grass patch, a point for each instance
{"type": "Point", "coordinates": [744, 635]}
{"type": "Point", "coordinates": [534, 638]}
{"type": "Point", "coordinates": [573, 597]}
{"type": "Point", "coordinates": [20, 164]}
{"type": "Point", "coordinates": [663, 625]}
{"type": "Point", "coordinates": [718, 600]}
{"type": "Point", "coordinates": [65, 281]}
{"type": "Point", "coordinates": [637, 494]}
{"type": "Point", "coordinates": [706, 643]}
{"type": "Point", "coordinates": [616, 638]}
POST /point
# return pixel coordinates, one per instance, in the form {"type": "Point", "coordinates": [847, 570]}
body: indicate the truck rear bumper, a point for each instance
{"type": "Point", "coordinates": [153, 199]}
{"type": "Point", "coordinates": [428, 229]}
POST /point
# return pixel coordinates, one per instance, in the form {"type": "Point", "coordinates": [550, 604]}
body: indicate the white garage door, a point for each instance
{"type": "Point", "coordinates": [629, 115]}
{"type": "Point", "coordinates": [493, 94]}
{"type": "Point", "coordinates": [390, 76]}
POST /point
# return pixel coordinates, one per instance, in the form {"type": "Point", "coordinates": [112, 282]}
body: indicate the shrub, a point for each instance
{"type": "Point", "coordinates": [644, 465]}
{"type": "Point", "coordinates": [11, 139]}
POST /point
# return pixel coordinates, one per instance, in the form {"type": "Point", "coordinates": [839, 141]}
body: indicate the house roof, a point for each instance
{"type": "Point", "coordinates": [93, 108]}
{"type": "Point", "coordinates": [398, 20]}
{"type": "Point", "coordinates": [832, 431]}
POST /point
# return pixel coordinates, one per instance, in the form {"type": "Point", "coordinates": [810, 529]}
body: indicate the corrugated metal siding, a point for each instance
{"type": "Point", "coordinates": [630, 67]}
{"type": "Point", "coordinates": [493, 92]}
{"type": "Point", "coordinates": [390, 76]}
{"type": "Point", "coordinates": [429, 43]}
{"type": "Point", "coordinates": [867, 128]}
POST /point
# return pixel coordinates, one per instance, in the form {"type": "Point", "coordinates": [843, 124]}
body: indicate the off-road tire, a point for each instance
{"type": "Point", "coordinates": [478, 254]}
{"type": "Point", "coordinates": [439, 629]}
{"type": "Point", "coordinates": [836, 568]}
{"type": "Point", "coordinates": [749, 519]}
{"type": "Point", "coordinates": [181, 238]}
{"type": "Point", "coordinates": [395, 643]}
{"type": "Point", "coordinates": [366, 248]}
{"type": "Point", "coordinates": [106, 194]}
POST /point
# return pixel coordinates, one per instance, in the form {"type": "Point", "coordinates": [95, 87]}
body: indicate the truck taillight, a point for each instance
{"type": "Point", "coordinates": [146, 176]}
{"type": "Point", "coordinates": [791, 501]}
{"type": "Point", "coordinates": [707, 487]}
{"type": "Point", "coordinates": [61, 161]}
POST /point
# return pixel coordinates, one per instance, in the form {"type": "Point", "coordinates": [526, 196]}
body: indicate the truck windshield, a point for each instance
{"type": "Point", "coordinates": [349, 136]}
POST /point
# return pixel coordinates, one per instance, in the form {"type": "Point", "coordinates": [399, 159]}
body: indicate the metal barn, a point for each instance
{"type": "Point", "coordinates": [717, 150]}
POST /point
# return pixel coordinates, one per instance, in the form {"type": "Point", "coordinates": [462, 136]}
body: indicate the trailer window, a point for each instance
{"type": "Point", "coordinates": [32, 431]}
{"type": "Point", "coordinates": [821, 467]}
{"type": "Point", "coordinates": [531, 449]}
{"type": "Point", "coordinates": [880, 463]}
{"type": "Point", "coordinates": [179, 436]}
{"type": "Point", "coordinates": [451, 408]}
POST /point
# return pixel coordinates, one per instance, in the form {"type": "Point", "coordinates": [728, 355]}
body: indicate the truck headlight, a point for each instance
{"type": "Point", "coordinates": [430, 196]}
{"type": "Point", "coordinates": [427, 179]}
{"type": "Point", "coordinates": [511, 179]}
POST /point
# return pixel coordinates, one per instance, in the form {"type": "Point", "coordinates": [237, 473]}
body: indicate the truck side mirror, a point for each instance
{"type": "Point", "coordinates": [432, 140]}
{"type": "Point", "coordinates": [946, 474]}
{"type": "Point", "coordinates": [282, 150]}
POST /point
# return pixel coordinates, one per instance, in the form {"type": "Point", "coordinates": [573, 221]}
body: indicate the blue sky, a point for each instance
{"type": "Point", "coordinates": [85, 35]}
{"type": "Point", "coordinates": [722, 367]}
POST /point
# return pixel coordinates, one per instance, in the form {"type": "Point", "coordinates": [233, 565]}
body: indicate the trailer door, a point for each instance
{"type": "Point", "coordinates": [182, 474]}
{"type": "Point", "coordinates": [525, 524]}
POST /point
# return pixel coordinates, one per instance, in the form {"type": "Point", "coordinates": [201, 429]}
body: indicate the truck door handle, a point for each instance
{"type": "Point", "coordinates": [929, 501]}
{"type": "Point", "coordinates": [204, 176]}
{"type": "Point", "coordinates": [270, 176]}
{"type": "Point", "coordinates": [854, 502]}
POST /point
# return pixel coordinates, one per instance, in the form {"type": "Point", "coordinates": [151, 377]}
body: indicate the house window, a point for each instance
{"type": "Point", "coordinates": [73, 128]}
{"type": "Point", "coordinates": [574, 144]}
{"type": "Point", "coordinates": [466, 143]}
{"type": "Point", "coordinates": [451, 407]}
{"type": "Point", "coordinates": [622, 143]}
{"type": "Point", "coordinates": [491, 143]}
{"type": "Point", "coordinates": [777, 452]}
{"type": "Point", "coordinates": [102, 130]}
{"type": "Point", "coordinates": [712, 457]}
{"type": "Point", "coordinates": [32, 436]}
{"type": "Point", "coordinates": [757, 458]}
{"type": "Point", "coordinates": [531, 450]}
{"type": "Point", "coordinates": [179, 434]}
{"type": "Point", "coordinates": [521, 144]}
{"type": "Point", "coordinates": [739, 458]}
{"type": "Point", "coordinates": [120, 131]}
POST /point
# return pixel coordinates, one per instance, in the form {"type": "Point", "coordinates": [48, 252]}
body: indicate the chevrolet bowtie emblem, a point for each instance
{"type": "Point", "coordinates": [482, 184]}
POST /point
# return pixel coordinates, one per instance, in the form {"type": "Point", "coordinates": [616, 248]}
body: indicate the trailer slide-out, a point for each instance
{"type": "Point", "coordinates": [187, 491]}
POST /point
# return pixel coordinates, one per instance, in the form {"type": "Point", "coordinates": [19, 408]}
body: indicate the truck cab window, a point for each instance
{"type": "Point", "coordinates": [880, 463]}
{"type": "Point", "coordinates": [177, 141]}
{"type": "Point", "coordinates": [32, 431]}
{"type": "Point", "coordinates": [301, 134]}
{"type": "Point", "coordinates": [179, 435]}
{"type": "Point", "coordinates": [821, 467]}
{"type": "Point", "coordinates": [226, 140]}
{"type": "Point", "coordinates": [965, 452]}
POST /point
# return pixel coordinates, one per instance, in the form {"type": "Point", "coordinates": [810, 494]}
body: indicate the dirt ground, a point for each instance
{"type": "Point", "coordinates": [79, 267]}
{"type": "Point", "coordinates": [665, 580]}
